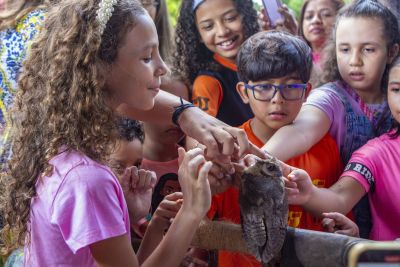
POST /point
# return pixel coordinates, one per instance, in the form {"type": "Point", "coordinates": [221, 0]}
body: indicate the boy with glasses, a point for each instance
{"type": "Point", "coordinates": [274, 68]}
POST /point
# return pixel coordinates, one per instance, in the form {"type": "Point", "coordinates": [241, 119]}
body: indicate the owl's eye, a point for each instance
{"type": "Point", "coordinates": [271, 168]}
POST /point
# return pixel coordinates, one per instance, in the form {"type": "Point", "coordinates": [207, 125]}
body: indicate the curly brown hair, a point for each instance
{"type": "Point", "coordinates": [191, 54]}
{"type": "Point", "coordinates": [61, 102]}
{"type": "Point", "coordinates": [360, 9]}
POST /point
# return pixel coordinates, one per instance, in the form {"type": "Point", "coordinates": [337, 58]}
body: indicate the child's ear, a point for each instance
{"type": "Point", "coordinates": [308, 90]}
{"type": "Point", "coordinates": [241, 89]}
{"type": "Point", "coordinates": [393, 52]}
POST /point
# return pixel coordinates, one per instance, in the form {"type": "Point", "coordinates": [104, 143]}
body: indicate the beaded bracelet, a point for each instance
{"type": "Point", "coordinates": [178, 111]}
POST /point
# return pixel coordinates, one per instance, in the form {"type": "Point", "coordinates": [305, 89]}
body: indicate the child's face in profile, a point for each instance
{"type": "Point", "coordinates": [278, 111]}
{"type": "Point", "coordinates": [135, 76]}
{"type": "Point", "coordinates": [220, 27]}
{"type": "Point", "coordinates": [394, 92]}
{"type": "Point", "coordinates": [127, 154]}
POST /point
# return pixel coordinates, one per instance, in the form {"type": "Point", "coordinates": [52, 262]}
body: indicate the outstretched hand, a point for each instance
{"type": "Point", "coordinates": [222, 176]}
{"type": "Point", "coordinates": [298, 184]}
{"type": "Point", "coordinates": [167, 210]}
{"type": "Point", "coordinates": [223, 143]}
{"type": "Point", "coordinates": [335, 222]}
{"type": "Point", "coordinates": [193, 178]}
{"type": "Point", "coordinates": [137, 186]}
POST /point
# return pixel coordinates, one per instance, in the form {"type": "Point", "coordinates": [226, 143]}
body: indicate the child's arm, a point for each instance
{"type": "Point", "coordinates": [219, 138]}
{"type": "Point", "coordinates": [160, 221]}
{"type": "Point", "coordinates": [338, 223]}
{"type": "Point", "coordinates": [193, 174]}
{"type": "Point", "coordinates": [295, 139]}
{"type": "Point", "coordinates": [340, 197]}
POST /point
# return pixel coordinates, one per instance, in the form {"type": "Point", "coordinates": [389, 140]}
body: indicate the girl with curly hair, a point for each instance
{"type": "Point", "coordinates": [60, 200]}
{"type": "Point", "coordinates": [351, 104]}
{"type": "Point", "coordinates": [208, 37]}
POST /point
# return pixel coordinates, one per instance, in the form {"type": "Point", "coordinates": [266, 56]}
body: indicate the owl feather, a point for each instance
{"type": "Point", "coordinates": [264, 209]}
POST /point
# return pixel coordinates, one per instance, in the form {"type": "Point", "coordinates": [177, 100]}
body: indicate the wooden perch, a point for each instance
{"type": "Point", "coordinates": [302, 248]}
{"type": "Point", "coordinates": [218, 235]}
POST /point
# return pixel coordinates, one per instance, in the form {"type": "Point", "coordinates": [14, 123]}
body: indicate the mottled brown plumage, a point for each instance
{"type": "Point", "coordinates": [264, 209]}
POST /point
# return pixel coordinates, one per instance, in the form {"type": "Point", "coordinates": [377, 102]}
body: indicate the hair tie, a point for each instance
{"type": "Point", "coordinates": [104, 13]}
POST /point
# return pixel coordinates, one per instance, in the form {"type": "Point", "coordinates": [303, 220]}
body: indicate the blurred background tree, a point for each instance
{"type": "Point", "coordinates": [173, 8]}
{"type": "Point", "coordinates": [295, 5]}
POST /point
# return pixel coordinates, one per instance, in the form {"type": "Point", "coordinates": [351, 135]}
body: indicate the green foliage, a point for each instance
{"type": "Point", "coordinates": [295, 5]}
{"type": "Point", "coordinates": [173, 8]}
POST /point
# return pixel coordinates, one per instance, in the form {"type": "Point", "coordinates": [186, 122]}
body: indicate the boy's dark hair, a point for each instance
{"type": "Point", "coordinates": [360, 9]}
{"type": "Point", "coordinates": [129, 130]}
{"type": "Point", "coordinates": [191, 54]}
{"type": "Point", "coordinates": [274, 54]}
{"type": "Point", "coordinates": [396, 124]}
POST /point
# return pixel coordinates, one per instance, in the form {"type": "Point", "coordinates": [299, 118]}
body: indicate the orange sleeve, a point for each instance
{"type": "Point", "coordinates": [207, 94]}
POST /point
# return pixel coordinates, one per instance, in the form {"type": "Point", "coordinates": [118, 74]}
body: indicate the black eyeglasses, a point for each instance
{"type": "Point", "coordinates": [265, 92]}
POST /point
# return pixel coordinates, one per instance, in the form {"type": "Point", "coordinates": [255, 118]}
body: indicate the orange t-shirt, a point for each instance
{"type": "Point", "coordinates": [323, 164]}
{"type": "Point", "coordinates": [207, 91]}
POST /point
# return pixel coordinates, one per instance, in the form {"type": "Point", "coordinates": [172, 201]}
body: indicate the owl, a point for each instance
{"type": "Point", "coordinates": [264, 209]}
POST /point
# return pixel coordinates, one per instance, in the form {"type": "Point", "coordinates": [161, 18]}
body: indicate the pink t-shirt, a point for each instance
{"type": "Point", "coordinates": [160, 168]}
{"type": "Point", "coordinates": [81, 203]}
{"type": "Point", "coordinates": [376, 167]}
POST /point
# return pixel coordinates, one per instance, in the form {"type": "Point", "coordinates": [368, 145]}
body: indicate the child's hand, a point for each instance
{"type": "Point", "coordinates": [288, 24]}
{"type": "Point", "coordinates": [218, 179]}
{"type": "Point", "coordinates": [167, 210]}
{"type": "Point", "coordinates": [195, 257]}
{"type": "Point", "coordinates": [335, 222]}
{"type": "Point", "coordinates": [193, 178]}
{"type": "Point", "coordinates": [298, 184]}
{"type": "Point", "coordinates": [138, 188]}
{"type": "Point", "coordinates": [263, 20]}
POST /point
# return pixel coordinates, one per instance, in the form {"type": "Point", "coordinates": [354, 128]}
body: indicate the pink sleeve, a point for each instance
{"type": "Point", "coordinates": [89, 207]}
{"type": "Point", "coordinates": [327, 101]}
{"type": "Point", "coordinates": [361, 166]}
